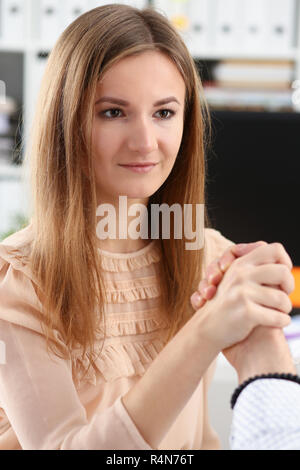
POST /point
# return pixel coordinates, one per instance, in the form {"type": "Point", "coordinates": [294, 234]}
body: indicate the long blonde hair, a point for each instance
{"type": "Point", "coordinates": [64, 256]}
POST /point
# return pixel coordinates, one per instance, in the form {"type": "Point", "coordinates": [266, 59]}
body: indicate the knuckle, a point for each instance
{"type": "Point", "coordinates": [282, 301]}
{"type": "Point", "coordinates": [287, 277]}
{"type": "Point", "coordinates": [287, 307]}
{"type": "Point", "coordinates": [284, 272]}
{"type": "Point", "coordinates": [201, 284]}
{"type": "Point", "coordinates": [214, 263]}
{"type": "Point", "coordinates": [247, 311]}
{"type": "Point", "coordinates": [292, 284]}
{"type": "Point", "coordinates": [236, 276]}
{"type": "Point", "coordinates": [278, 248]}
{"type": "Point", "coordinates": [242, 297]}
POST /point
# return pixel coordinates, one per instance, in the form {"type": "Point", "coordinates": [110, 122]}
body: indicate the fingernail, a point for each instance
{"type": "Point", "coordinates": [205, 290]}
{"type": "Point", "coordinates": [196, 298]}
{"type": "Point", "coordinates": [223, 266]}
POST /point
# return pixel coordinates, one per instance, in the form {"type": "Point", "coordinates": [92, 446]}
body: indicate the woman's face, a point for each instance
{"type": "Point", "coordinates": [138, 119]}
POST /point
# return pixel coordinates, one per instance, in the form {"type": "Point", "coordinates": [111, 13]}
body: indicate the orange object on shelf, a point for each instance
{"type": "Point", "coordinates": [181, 22]}
{"type": "Point", "coordinates": [295, 295]}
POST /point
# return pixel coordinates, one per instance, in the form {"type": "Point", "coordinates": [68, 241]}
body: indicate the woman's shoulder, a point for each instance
{"type": "Point", "coordinates": [19, 303]}
{"type": "Point", "coordinates": [19, 239]}
{"type": "Point", "coordinates": [15, 249]}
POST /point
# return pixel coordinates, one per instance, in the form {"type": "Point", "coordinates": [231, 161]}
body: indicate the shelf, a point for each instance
{"type": "Point", "coordinates": [255, 115]}
{"type": "Point", "coordinates": [209, 54]}
{"type": "Point", "coordinates": [292, 54]}
{"type": "Point", "coordinates": [9, 172]}
{"type": "Point", "coordinates": [9, 47]}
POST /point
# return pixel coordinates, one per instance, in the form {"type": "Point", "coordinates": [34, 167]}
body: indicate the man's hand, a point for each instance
{"type": "Point", "coordinates": [265, 350]}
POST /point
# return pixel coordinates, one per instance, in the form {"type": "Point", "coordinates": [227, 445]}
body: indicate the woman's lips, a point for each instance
{"type": "Point", "coordinates": [140, 168]}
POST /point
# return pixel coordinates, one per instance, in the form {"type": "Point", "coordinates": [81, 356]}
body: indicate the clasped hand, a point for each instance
{"type": "Point", "coordinates": [245, 293]}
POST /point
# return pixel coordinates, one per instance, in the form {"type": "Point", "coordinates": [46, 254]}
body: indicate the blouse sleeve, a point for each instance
{"type": "Point", "coordinates": [37, 392]}
{"type": "Point", "coordinates": [272, 406]}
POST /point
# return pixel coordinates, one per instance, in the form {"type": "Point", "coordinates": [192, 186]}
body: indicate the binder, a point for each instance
{"type": "Point", "coordinates": [136, 3]}
{"type": "Point", "coordinates": [228, 33]}
{"type": "Point", "coordinates": [13, 21]}
{"type": "Point", "coordinates": [72, 10]}
{"type": "Point", "coordinates": [198, 38]}
{"type": "Point", "coordinates": [255, 13]}
{"type": "Point", "coordinates": [51, 24]}
{"type": "Point", "coordinates": [173, 9]}
{"type": "Point", "coordinates": [177, 12]}
{"type": "Point", "coordinates": [99, 3]}
{"type": "Point", "coordinates": [34, 71]}
{"type": "Point", "coordinates": [281, 24]}
{"type": "Point", "coordinates": [2, 92]}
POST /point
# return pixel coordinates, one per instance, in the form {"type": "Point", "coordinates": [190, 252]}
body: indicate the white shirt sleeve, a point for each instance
{"type": "Point", "coordinates": [41, 402]}
{"type": "Point", "coordinates": [266, 416]}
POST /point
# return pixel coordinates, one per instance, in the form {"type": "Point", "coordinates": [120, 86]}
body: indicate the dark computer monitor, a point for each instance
{"type": "Point", "coordinates": [253, 173]}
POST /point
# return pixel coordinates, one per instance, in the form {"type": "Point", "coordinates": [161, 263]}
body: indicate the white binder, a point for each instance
{"type": "Point", "coordinates": [13, 20]}
{"type": "Point", "coordinates": [51, 24]}
{"type": "Point", "coordinates": [177, 12]}
{"type": "Point", "coordinates": [34, 71]}
{"type": "Point", "coordinates": [2, 92]}
{"type": "Point", "coordinates": [281, 24]}
{"type": "Point", "coordinates": [173, 9]}
{"type": "Point", "coordinates": [136, 3]}
{"type": "Point", "coordinates": [255, 15]}
{"type": "Point", "coordinates": [98, 3]}
{"type": "Point", "coordinates": [228, 25]}
{"type": "Point", "coordinates": [198, 38]}
{"type": "Point", "coordinates": [72, 9]}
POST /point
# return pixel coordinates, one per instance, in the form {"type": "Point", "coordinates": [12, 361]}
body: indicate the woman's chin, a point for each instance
{"type": "Point", "coordinates": [142, 194]}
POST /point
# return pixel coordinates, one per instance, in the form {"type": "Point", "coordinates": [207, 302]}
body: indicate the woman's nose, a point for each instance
{"type": "Point", "coordinates": [142, 137]}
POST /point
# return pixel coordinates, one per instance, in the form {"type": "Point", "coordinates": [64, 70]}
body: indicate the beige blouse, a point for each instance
{"type": "Point", "coordinates": [46, 402]}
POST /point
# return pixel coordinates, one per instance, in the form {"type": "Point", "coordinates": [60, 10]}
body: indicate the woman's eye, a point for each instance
{"type": "Point", "coordinates": [111, 113]}
{"type": "Point", "coordinates": [166, 113]}
{"type": "Point", "coordinates": [114, 113]}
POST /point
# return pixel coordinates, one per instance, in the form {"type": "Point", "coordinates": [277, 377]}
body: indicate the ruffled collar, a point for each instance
{"type": "Point", "coordinates": [120, 262]}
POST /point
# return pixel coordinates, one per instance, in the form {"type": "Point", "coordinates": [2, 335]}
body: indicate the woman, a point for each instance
{"type": "Point", "coordinates": [103, 348]}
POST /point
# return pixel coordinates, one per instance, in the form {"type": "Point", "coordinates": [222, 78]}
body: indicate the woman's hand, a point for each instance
{"type": "Point", "coordinates": [215, 272]}
{"type": "Point", "coordinates": [246, 297]}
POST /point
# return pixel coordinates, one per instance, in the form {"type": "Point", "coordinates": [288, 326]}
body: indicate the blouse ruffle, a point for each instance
{"type": "Point", "coordinates": [114, 262]}
{"type": "Point", "coordinates": [116, 360]}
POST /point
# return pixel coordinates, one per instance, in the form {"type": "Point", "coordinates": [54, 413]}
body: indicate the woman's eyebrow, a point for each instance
{"type": "Point", "coordinates": [110, 99]}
